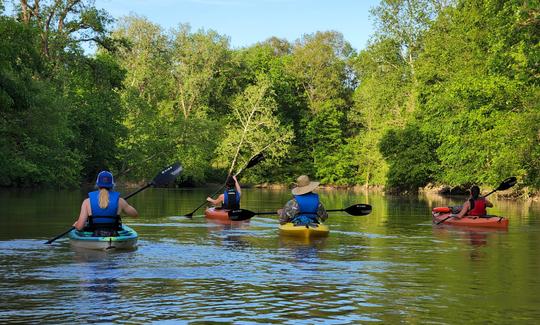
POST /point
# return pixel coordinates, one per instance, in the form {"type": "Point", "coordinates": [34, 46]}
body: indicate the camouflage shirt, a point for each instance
{"type": "Point", "coordinates": [290, 210]}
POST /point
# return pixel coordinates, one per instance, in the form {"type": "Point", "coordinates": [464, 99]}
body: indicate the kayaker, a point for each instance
{"type": "Point", "coordinates": [230, 199]}
{"type": "Point", "coordinates": [100, 212]}
{"type": "Point", "coordinates": [305, 207]}
{"type": "Point", "coordinates": [475, 205]}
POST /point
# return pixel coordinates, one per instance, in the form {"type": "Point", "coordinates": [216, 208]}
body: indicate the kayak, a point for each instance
{"type": "Point", "coordinates": [221, 216]}
{"type": "Point", "coordinates": [126, 239]}
{"type": "Point", "coordinates": [217, 214]}
{"type": "Point", "coordinates": [489, 221]}
{"type": "Point", "coordinates": [305, 231]}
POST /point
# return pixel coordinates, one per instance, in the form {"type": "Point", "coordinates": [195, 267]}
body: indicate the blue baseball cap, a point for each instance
{"type": "Point", "coordinates": [105, 179]}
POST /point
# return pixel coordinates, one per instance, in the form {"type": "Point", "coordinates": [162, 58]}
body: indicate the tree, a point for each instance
{"type": "Point", "coordinates": [34, 129]}
{"type": "Point", "coordinates": [200, 66]}
{"type": "Point", "coordinates": [319, 64]}
{"type": "Point", "coordinates": [479, 92]}
{"type": "Point", "coordinates": [253, 128]}
{"type": "Point", "coordinates": [406, 21]}
{"type": "Point", "coordinates": [411, 157]}
{"type": "Point", "coordinates": [65, 23]}
{"type": "Point", "coordinates": [381, 102]}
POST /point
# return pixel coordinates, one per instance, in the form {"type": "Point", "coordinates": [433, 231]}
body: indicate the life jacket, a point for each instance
{"type": "Point", "coordinates": [478, 207]}
{"type": "Point", "coordinates": [231, 199]}
{"type": "Point", "coordinates": [308, 204]}
{"type": "Point", "coordinates": [107, 218]}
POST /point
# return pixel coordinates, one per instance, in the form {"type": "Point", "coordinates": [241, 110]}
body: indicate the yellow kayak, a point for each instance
{"type": "Point", "coordinates": [312, 230]}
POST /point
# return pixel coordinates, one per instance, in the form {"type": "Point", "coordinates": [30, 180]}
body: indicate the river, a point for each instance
{"type": "Point", "coordinates": [392, 266]}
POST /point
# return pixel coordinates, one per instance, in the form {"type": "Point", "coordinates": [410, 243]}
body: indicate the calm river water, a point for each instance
{"type": "Point", "coordinates": [392, 266]}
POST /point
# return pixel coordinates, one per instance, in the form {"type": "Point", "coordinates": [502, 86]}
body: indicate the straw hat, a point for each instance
{"type": "Point", "coordinates": [304, 185]}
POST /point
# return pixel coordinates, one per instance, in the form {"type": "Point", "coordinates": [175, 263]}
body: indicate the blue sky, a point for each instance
{"type": "Point", "coordinates": [247, 22]}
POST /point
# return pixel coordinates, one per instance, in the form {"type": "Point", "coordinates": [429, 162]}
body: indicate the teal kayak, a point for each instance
{"type": "Point", "coordinates": [126, 239]}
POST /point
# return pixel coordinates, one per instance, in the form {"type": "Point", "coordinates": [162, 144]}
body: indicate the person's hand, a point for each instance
{"type": "Point", "coordinates": [279, 211]}
{"type": "Point", "coordinates": [209, 199]}
{"type": "Point", "coordinates": [234, 177]}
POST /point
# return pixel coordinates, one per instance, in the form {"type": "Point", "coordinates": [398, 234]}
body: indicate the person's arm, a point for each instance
{"type": "Point", "coordinates": [489, 204]}
{"type": "Point", "coordinates": [321, 212]}
{"type": "Point", "coordinates": [237, 185]}
{"type": "Point", "coordinates": [288, 212]}
{"type": "Point", "coordinates": [83, 215]}
{"type": "Point", "coordinates": [466, 207]}
{"type": "Point", "coordinates": [127, 209]}
{"type": "Point", "coordinates": [217, 201]}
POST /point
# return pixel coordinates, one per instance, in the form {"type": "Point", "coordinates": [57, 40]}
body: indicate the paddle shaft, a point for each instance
{"type": "Point", "coordinates": [59, 236]}
{"type": "Point", "coordinates": [355, 210]}
{"type": "Point", "coordinates": [139, 190]}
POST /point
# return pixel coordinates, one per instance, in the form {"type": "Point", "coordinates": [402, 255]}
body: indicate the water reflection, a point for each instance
{"type": "Point", "coordinates": [98, 269]}
{"type": "Point", "coordinates": [475, 237]}
{"type": "Point", "coordinates": [303, 249]}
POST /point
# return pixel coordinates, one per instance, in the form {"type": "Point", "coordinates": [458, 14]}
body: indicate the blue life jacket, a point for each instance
{"type": "Point", "coordinates": [308, 205]}
{"type": "Point", "coordinates": [107, 217]}
{"type": "Point", "coordinates": [231, 199]}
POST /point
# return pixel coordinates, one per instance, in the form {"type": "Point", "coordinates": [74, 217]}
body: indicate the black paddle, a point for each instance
{"type": "Point", "coordinates": [506, 184]}
{"type": "Point", "coordinates": [355, 210]}
{"type": "Point", "coordinates": [252, 162]}
{"type": "Point", "coordinates": [164, 177]}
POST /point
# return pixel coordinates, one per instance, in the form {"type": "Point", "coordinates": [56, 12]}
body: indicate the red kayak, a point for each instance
{"type": "Point", "coordinates": [220, 216]}
{"type": "Point", "coordinates": [445, 217]}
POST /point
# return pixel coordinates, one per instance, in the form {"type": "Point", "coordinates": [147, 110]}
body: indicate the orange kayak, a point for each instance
{"type": "Point", "coordinates": [220, 216]}
{"type": "Point", "coordinates": [444, 216]}
{"type": "Point", "coordinates": [217, 214]}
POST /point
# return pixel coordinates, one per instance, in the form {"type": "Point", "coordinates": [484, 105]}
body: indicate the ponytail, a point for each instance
{"type": "Point", "coordinates": [103, 198]}
{"type": "Point", "coordinates": [475, 192]}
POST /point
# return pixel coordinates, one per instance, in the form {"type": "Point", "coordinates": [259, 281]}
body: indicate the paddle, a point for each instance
{"type": "Point", "coordinates": [355, 210]}
{"type": "Point", "coordinates": [164, 177]}
{"type": "Point", "coordinates": [506, 184]}
{"type": "Point", "coordinates": [252, 162]}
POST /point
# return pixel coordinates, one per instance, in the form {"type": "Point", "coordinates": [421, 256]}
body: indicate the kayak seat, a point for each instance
{"type": "Point", "coordinates": [104, 229]}
{"type": "Point", "coordinates": [305, 219]}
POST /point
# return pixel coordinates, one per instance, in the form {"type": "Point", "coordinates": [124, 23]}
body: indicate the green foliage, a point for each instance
{"type": "Point", "coordinates": [411, 155]}
{"type": "Point", "coordinates": [479, 94]}
{"type": "Point", "coordinates": [200, 63]}
{"type": "Point", "coordinates": [90, 86]}
{"type": "Point", "coordinates": [34, 130]}
{"type": "Point", "coordinates": [253, 128]}
{"type": "Point", "coordinates": [445, 92]}
{"type": "Point", "coordinates": [173, 84]}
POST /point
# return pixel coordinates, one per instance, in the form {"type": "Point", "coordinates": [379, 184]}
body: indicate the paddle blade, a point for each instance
{"type": "Point", "coordinates": [359, 209]}
{"type": "Point", "coordinates": [167, 175]}
{"type": "Point", "coordinates": [241, 215]}
{"type": "Point", "coordinates": [507, 183]}
{"type": "Point", "coordinates": [255, 160]}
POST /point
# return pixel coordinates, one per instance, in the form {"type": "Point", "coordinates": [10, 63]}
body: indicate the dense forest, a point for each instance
{"type": "Point", "coordinates": [446, 92]}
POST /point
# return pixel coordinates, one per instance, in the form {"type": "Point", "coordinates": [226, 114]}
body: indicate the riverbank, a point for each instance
{"type": "Point", "coordinates": [517, 193]}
